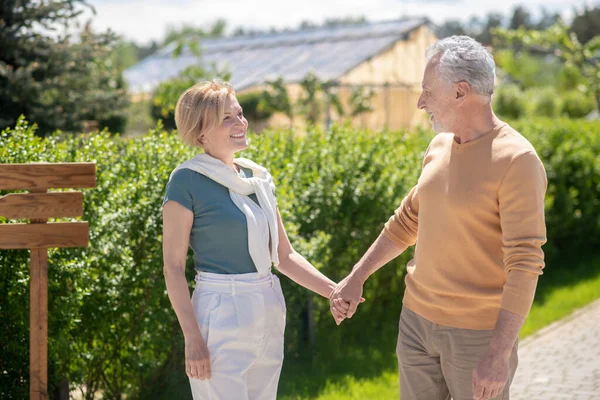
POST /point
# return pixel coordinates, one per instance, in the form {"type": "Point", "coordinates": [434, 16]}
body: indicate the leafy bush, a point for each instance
{"type": "Point", "coordinates": [569, 150]}
{"type": "Point", "coordinates": [509, 101]}
{"type": "Point", "coordinates": [253, 109]}
{"type": "Point", "coordinates": [111, 326]}
{"type": "Point", "coordinates": [577, 104]}
{"type": "Point", "coordinates": [527, 69]}
{"type": "Point", "coordinates": [545, 102]}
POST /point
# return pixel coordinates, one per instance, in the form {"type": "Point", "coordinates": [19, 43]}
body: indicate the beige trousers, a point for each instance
{"type": "Point", "coordinates": [436, 362]}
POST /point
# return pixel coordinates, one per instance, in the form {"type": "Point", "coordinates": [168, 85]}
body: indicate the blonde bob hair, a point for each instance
{"type": "Point", "coordinates": [200, 109]}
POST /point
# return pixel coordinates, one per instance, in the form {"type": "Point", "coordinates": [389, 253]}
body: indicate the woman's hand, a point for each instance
{"type": "Point", "coordinates": [197, 359]}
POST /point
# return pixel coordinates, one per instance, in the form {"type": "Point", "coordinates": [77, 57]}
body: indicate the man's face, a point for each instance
{"type": "Point", "coordinates": [436, 98]}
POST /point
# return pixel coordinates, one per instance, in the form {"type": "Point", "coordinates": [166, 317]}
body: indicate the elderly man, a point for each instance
{"type": "Point", "coordinates": [476, 215]}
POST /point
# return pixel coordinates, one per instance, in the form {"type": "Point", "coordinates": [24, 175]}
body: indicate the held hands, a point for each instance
{"type": "Point", "coordinates": [197, 359]}
{"type": "Point", "coordinates": [345, 298]}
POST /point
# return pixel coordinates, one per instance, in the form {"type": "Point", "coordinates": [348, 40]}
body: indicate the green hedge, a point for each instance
{"type": "Point", "coordinates": [111, 326]}
{"type": "Point", "coordinates": [541, 102]}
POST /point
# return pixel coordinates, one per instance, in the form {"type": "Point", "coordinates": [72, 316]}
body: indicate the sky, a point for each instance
{"type": "Point", "coordinates": [145, 20]}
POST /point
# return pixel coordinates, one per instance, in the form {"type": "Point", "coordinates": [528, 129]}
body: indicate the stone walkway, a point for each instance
{"type": "Point", "coordinates": [561, 361]}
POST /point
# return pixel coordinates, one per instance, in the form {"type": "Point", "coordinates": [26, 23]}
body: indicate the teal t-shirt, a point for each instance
{"type": "Point", "coordinates": [219, 236]}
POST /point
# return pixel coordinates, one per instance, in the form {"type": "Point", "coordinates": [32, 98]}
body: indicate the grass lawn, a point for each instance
{"type": "Point", "coordinates": [370, 372]}
{"type": "Point", "coordinates": [562, 291]}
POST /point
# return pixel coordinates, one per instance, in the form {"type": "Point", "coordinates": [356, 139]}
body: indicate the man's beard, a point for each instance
{"type": "Point", "coordinates": [438, 127]}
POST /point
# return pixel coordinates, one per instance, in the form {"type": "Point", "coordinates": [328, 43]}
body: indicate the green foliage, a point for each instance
{"type": "Point", "coordinates": [111, 326]}
{"type": "Point", "coordinates": [310, 104]}
{"type": "Point", "coordinates": [587, 24]}
{"type": "Point", "coordinates": [544, 101]}
{"type": "Point", "coordinates": [58, 82]}
{"type": "Point", "coordinates": [186, 32]}
{"type": "Point", "coordinates": [520, 18]}
{"type": "Point", "coordinates": [164, 98]}
{"type": "Point", "coordinates": [570, 78]}
{"type": "Point", "coordinates": [558, 40]}
{"type": "Point", "coordinates": [332, 100]}
{"type": "Point", "coordinates": [361, 100]}
{"type": "Point", "coordinates": [577, 104]}
{"type": "Point", "coordinates": [541, 101]}
{"type": "Point", "coordinates": [526, 69]}
{"type": "Point", "coordinates": [139, 120]}
{"type": "Point", "coordinates": [251, 104]}
{"type": "Point", "coordinates": [509, 101]}
{"type": "Point", "coordinates": [569, 150]}
{"type": "Point", "coordinates": [319, 97]}
{"type": "Point", "coordinates": [124, 54]}
{"type": "Point", "coordinates": [275, 98]}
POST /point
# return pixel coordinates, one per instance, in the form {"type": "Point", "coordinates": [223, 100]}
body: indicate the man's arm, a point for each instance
{"type": "Point", "coordinates": [399, 232]}
{"type": "Point", "coordinates": [491, 374]}
{"type": "Point", "coordinates": [521, 206]}
{"type": "Point", "coordinates": [346, 297]}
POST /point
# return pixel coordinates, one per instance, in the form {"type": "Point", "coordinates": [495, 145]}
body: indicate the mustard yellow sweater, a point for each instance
{"type": "Point", "coordinates": [477, 217]}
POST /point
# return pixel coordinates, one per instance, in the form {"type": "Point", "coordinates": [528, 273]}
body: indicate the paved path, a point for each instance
{"type": "Point", "coordinates": [561, 361]}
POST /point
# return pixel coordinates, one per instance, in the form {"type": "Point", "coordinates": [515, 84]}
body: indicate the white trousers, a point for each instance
{"type": "Point", "coordinates": [242, 319]}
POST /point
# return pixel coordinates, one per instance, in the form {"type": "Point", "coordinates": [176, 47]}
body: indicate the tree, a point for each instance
{"type": "Point", "coordinates": [276, 99]}
{"type": "Point", "coordinates": [563, 44]}
{"type": "Point", "coordinates": [145, 51]}
{"type": "Point", "coordinates": [126, 53]}
{"type": "Point", "coordinates": [529, 70]}
{"type": "Point", "coordinates": [251, 104]}
{"type": "Point", "coordinates": [450, 28]}
{"type": "Point", "coordinates": [331, 98]}
{"type": "Point", "coordinates": [520, 18]}
{"type": "Point", "coordinates": [56, 81]}
{"type": "Point", "coordinates": [306, 25]}
{"type": "Point", "coordinates": [360, 100]}
{"type": "Point", "coordinates": [475, 26]}
{"type": "Point", "coordinates": [494, 20]}
{"type": "Point", "coordinates": [186, 31]}
{"type": "Point", "coordinates": [310, 104]}
{"type": "Point", "coordinates": [345, 21]}
{"type": "Point", "coordinates": [547, 19]}
{"type": "Point", "coordinates": [587, 24]}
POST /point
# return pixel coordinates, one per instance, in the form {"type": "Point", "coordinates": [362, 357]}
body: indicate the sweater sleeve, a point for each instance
{"type": "Point", "coordinates": [521, 205]}
{"type": "Point", "coordinates": [401, 228]}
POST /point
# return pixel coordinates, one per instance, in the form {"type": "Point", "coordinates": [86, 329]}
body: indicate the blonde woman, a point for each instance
{"type": "Point", "coordinates": [225, 210]}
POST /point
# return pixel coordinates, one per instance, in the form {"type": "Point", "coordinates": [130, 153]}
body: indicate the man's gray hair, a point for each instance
{"type": "Point", "coordinates": [462, 58]}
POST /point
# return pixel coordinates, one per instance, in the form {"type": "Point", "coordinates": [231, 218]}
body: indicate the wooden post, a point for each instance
{"type": "Point", "coordinates": [38, 318]}
{"type": "Point", "coordinates": [37, 206]}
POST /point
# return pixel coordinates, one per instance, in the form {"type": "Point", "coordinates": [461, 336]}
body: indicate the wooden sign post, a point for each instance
{"type": "Point", "coordinates": [39, 235]}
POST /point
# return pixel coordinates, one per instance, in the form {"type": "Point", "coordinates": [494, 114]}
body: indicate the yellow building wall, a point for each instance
{"type": "Point", "coordinates": [395, 106]}
{"type": "Point", "coordinates": [404, 63]}
{"type": "Point", "coordinates": [402, 67]}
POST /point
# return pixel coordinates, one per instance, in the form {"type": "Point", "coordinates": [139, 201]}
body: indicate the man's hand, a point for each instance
{"type": "Point", "coordinates": [345, 298]}
{"type": "Point", "coordinates": [490, 376]}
